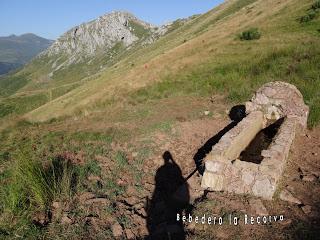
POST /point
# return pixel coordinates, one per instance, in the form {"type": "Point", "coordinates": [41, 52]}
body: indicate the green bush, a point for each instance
{"type": "Point", "coordinates": [311, 14]}
{"type": "Point", "coordinates": [316, 5]}
{"type": "Point", "coordinates": [305, 19]}
{"type": "Point", "coordinates": [250, 34]}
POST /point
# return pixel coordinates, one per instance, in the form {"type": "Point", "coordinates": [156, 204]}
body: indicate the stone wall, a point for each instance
{"type": "Point", "coordinates": [225, 172]}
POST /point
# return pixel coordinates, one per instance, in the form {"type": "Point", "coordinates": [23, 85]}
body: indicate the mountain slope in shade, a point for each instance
{"type": "Point", "coordinates": [16, 51]}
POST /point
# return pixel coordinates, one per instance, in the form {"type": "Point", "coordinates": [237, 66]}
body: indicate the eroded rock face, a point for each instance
{"type": "Point", "coordinates": [258, 207]}
{"type": "Point", "coordinates": [106, 36]}
{"type": "Point", "coordinates": [287, 196]}
{"type": "Point", "coordinates": [224, 171]}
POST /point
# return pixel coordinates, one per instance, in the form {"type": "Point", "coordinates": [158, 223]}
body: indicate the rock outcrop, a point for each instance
{"type": "Point", "coordinates": [106, 35]}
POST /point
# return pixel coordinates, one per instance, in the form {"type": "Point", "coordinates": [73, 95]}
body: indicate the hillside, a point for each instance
{"type": "Point", "coordinates": [204, 45]}
{"type": "Point", "coordinates": [15, 51]}
{"type": "Point", "coordinates": [89, 124]}
{"type": "Point", "coordinates": [78, 56]}
{"type": "Point", "coordinates": [84, 51]}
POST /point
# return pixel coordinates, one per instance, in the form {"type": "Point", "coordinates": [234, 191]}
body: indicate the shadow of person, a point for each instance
{"type": "Point", "coordinates": [236, 114]}
{"type": "Point", "coordinates": [170, 197]}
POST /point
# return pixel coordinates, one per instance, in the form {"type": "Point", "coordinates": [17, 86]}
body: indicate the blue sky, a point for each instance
{"type": "Point", "coordinates": [51, 18]}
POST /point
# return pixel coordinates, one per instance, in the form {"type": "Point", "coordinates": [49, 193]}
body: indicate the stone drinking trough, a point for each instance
{"type": "Point", "coordinates": [277, 109]}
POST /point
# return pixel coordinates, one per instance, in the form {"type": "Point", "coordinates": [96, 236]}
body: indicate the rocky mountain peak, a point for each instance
{"type": "Point", "coordinates": [100, 36]}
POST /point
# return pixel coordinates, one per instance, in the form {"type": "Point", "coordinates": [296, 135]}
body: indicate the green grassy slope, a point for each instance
{"type": "Point", "coordinates": [198, 57]}
{"type": "Point", "coordinates": [189, 61]}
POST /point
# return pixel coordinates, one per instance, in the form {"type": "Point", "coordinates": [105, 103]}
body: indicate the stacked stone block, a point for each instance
{"type": "Point", "coordinates": [225, 172]}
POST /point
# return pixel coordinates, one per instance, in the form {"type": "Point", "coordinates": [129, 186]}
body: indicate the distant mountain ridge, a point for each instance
{"type": "Point", "coordinates": [16, 51]}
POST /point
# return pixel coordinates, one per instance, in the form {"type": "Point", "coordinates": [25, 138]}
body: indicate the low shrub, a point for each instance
{"type": "Point", "coordinates": [316, 5]}
{"type": "Point", "coordinates": [312, 13]}
{"type": "Point", "coordinates": [250, 34]}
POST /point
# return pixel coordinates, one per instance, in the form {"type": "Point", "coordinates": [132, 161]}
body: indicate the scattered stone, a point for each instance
{"type": "Point", "coordinates": [121, 183]}
{"type": "Point", "coordinates": [141, 224]}
{"type": "Point", "coordinates": [303, 171]}
{"type": "Point", "coordinates": [258, 207]}
{"type": "Point", "coordinates": [90, 220]}
{"type": "Point", "coordinates": [97, 224]}
{"type": "Point", "coordinates": [129, 234]}
{"type": "Point", "coordinates": [142, 230]}
{"type": "Point", "coordinates": [56, 210]}
{"type": "Point", "coordinates": [93, 178]}
{"type": "Point", "coordinates": [181, 119]}
{"type": "Point", "coordinates": [149, 187]}
{"type": "Point", "coordinates": [191, 226]}
{"type": "Point", "coordinates": [286, 222]}
{"type": "Point", "coordinates": [86, 196]}
{"type": "Point", "coordinates": [315, 172]}
{"type": "Point", "coordinates": [134, 154]}
{"type": "Point", "coordinates": [309, 178]}
{"type": "Point", "coordinates": [195, 190]}
{"type": "Point", "coordinates": [287, 196]}
{"type": "Point", "coordinates": [207, 113]}
{"type": "Point", "coordinates": [139, 205]}
{"type": "Point", "coordinates": [131, 191]}
{"type": "Point", "coordinates": [74, 158]}
{"type": "Point", "coordinates": [40, 218]}
{"type": "Point", "coordinates": [131, 200]}
{"type": "Point", "coordinates": [306, 209]}
{"type": "Point", "coordinates": [142, 212]}
{"type": "Point", "coordinates": [56, 205]}
{"type": "Point", "coordinates": [116, 230]}
{"type": "Point", "coordinates": [290, 188]}
{"type": "Point", "coordinates": [65, 220]}
{"type": "Point", "coordinates": [103, 201]}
